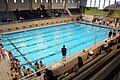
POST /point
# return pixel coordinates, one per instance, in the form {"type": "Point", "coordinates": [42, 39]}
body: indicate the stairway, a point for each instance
{"type": "Point", "coordinates": [70, 14]}
{"type": "Point", "coordinates": [5, 69]}
{"type": "Point", "coordinates": [110, 13]}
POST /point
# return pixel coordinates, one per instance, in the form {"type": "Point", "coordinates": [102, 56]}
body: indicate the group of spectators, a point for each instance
{"type": "Point", "coordinates": [40, 12]}
{"type": "Point", "coordinates": [107, 23]}
{"type": "Point", "coordinates": [4, 53]}
{"type": "Point", "coordinates": [74, 68]}
{"type": "Point", "coordinates": [110, 43]}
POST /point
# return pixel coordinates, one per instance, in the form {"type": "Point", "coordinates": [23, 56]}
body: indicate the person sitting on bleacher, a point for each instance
{"type": "Point", "coordinates": [1, 43]}
{"type": "Point", "coordinates": [80, 62]}
{"type": "Point", "coordinates": [41, 64]}
{"type": "Point", "coordinates": [36, 66]}
{"type": "Point", "coordinates": [112, 43]}
{"type": "Point", "coordinates": [118, 41]}
{"type": "Point", "coordinates": [105, 47]}
{"type": "Point", "coordinates": [24, 71]}
{"type": "Point", "coordinates": [29, 72]}
{"type": "Point", "coordinates": [49, 75]}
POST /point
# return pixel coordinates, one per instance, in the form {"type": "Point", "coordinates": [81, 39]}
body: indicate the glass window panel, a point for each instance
{"type": "Point", "coordinates": [72, 1]}
{"type": "Point", "coordinates": [106, 3]}
{"type": "Point", "coordinates": [15, 1]}
{"type": "Point", "coordinates": [101, 4]}
{"type": "Point", "coordinates": [41, 1]}
{"type": "Point", "coordinates": [93, 3]}
{"type": "Point", "coordinates": [56, 1]}
{"type": "Point", "coordinates": [7, 1]}
{"type": "Point", "coordinates": [22, 1]}
{"type": "Point", "coordinates": [46, 1]}
{"type": "Point", "coordinates": [60, 1]}
{"type": "Point", "coordinates": [88, 3]}
{"type": "Point", "coordinates": [78, 1]}
{"type": "Point", "coordinates": [117, 1]}
{"type": "Point", "coordinates": [35, 1]}
{"type": "Point", "coordinates": [68, 1]}
{"type": "Point", "coordinates": [112, 2]}
{"type": "Point", "coordinates": [97, 3]}
{"type": "Point", "coordinates": [52, 1]}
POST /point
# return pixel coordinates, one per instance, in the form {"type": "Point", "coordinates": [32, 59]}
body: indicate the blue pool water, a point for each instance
{"type": "Point", "coordinates": [45, 43]}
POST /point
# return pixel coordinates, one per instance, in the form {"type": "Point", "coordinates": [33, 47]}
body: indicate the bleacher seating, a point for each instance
{"type": "Point", "coordinates": [59, 13]}
{"type": "Point", "coordinates": [74, 11]}
{"type": "Point", "coordinates": [4, 17]}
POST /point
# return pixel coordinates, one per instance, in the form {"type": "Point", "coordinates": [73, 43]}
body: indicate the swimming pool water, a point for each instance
{"type": "Point", "coordinates": [45, 43]}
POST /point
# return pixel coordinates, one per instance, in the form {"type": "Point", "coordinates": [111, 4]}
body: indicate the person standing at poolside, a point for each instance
{"type": "Point", "coordinates": [64, 51]}
{"type": "Point", "coordinates": [110, 34]}
{"type": "Point", "coordinates": [1, 43]}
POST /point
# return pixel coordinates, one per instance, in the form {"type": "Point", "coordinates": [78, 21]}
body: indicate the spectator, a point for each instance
{"type": "Point", "coordinates": [64, 51]}
{"type": "Point", "coordinates": [110, 34]}
{"type": "Point", "coordinates": [80, 62]}
{"type": "Point", "coordinates": [3, 52]}
{"type": "Point", "coordinates": [114, 32]}
{"type": "Point", "coordinates": [75, 68]}
{"type": "Point", "coordinates": [36, 66]}
{"type": "Point", "coordinates": [24, 71]}
{"type": "Point", "coordinates": [0, 56]}
{"type": "Point", "coordinates": [105, 47]}
{"type": "Point", "coordinates": [49, 75]}
{"type": "Point", "coordinates": [29, 71]}
{"type": "Point", "coordinates": [1, 43]}
{"type": "Point", "coordinates": [10, 54]}
{"type": "Point", "coordinates": [13, 74]}
{"type": "Point", "coordinates": [40, 76]}
{"type": "Point", "coordinates": [90, 54]}
{"type": "Point", "coordinates": [41, 64]}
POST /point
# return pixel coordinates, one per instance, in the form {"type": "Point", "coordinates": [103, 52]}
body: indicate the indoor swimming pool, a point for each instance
{"type": "Point", "coordinates": [45, 43]}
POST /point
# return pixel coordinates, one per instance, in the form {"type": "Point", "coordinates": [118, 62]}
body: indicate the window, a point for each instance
{"type": "Point", "coordinates": [78, 1]}
{"type": "Point", "coordinates": [72, 1]}
{"type": "Point", "coordinates": [106, 3]}
{"type": "Point", "coordinates": [22, 1]}
{"type": "Point", "coordinates": [15, 1]}
{"type": "Point", "coordinates": [35, 1]}
{"type": "Point", "coordinates": [97, 3]}
{"type": "Point", "coordinates": [7, 1]}
{"type": "Point", "coordinates": [56, 1]}
{"type": "Point", "coordinates": [68, 1]}
{"type": "Point", "coordinates": [101, 4]}
{"type": "Point", "coordinates": [60, 1]}
{"type": "Point", "coordinates": [41, 1]}
{"type": "Point", "coordinates": [46, 1]}
{"type": "Point", "coordinates": [88, 3]}
{"type": "Point", "coordinates": [117, 1]}
{"type": "Point", "coordinates": [112, 2]}
{"type": "Point", "coordinates": [93, 3]}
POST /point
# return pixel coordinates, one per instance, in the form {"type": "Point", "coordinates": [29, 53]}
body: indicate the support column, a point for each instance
{"type": "Point", "coordinates": [77, 3]}
{"type": "Point", "coordinates": [49, 6]}
{"type": "Point", "coordinates": [6, 6]}
{"type": "Point", "coordinates": [64, 5]}
{"type": "Point", "coordinates": [30, 5]}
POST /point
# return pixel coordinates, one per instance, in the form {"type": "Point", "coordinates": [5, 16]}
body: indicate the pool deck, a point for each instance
{"type": "Point", "coordinates": [5, 69]}
{"type": "Point", "coordinates": [5, 64]}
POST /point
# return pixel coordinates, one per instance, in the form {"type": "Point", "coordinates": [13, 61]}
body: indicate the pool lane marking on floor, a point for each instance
{"type": "Point", "coordinates": [60, 51]}
{"type": "Point", "coordinates": [28, 62]}
{"type": "Point", "coordinates": [46, 32]}
{"type": "Point", "coordinates": [38, 34]}
{"type": "Point", "coordinates": [50, 40]}
{"type": "Point", "coordinates": [54, 45]}
{"type": "Point", "coordinates": [46, 40]}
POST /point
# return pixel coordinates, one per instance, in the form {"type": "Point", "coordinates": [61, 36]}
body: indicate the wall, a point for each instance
{"type": "Point", "coordinates": [2, 5]}
{"type": "Point", "coordinates": [15, 27]}
{"type": "Point", "coordinates": [25, 6]}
